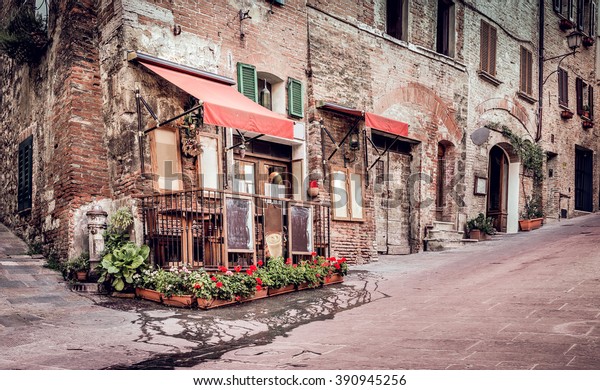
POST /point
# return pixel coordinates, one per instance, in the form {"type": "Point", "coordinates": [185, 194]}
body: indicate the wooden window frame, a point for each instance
{"type": "Point", "coordinates": [563, 88]}
{"type": "Point", "coordinates": [400, 21]}
{"type": "Point", "coordinates": [349, 195]}
{"type": "Point", "coordinates": [580, 87]}
{"type": "Point", "coordinates": [526, 72]}
{"type": "Point", "coordinates": [580, 23]}
{"type": "Point", "coordinates": [200, 168]}
{"type": "Point", "coordinates": [445, 28]}
{"type": "Point", "coordinates": [154, 159]}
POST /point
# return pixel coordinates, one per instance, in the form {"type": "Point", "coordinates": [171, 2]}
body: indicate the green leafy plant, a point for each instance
{"type": "Point", "coordinates": [119, 266]}
{"type": "Point", "coordinates": [116, 235]}
{"type": "Point", "coordinates": [23, 36]}
{"type": "Point", "coordinates": [532, 155]}
{"type": "Point", "coordinates": [80, 263]}
{"type": "Point", "coordinates": [532, 208]}
{"type": "Point", "coordinates": [278, 274]}
{"type": "Point", "coordinates": [482, 223]}
{"type": "Point", "coordinates": [122, 219]}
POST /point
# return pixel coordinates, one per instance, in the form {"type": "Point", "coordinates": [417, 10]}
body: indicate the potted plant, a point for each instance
{"type": "Point", "coordinates": [532, 216]}
{"type": "Point", "coordinates": [480, 226]}
{"type": "Point", "coordinates": [119, 266]}
{"type": "Point", "coordinates": [313, 188]}
{"type": "Point", "coordinates": [78, 267]}
{"type": "Point", "coordinates": [565, 24]}
{"type": "Point", "coordinates": [278, 276]}
{"type": "Point", "coordinates": [566, 114]}
{"type": "Point", "coordinates": [585, 111]}
{"type": "Point", "coordinates": [587, 41]}
{"type": "Point", "coordinates": [174, 287]}
{"type": "Point", "coordinates": [145, 284]}
{"type": "Point", "coordinates": [587, 124]}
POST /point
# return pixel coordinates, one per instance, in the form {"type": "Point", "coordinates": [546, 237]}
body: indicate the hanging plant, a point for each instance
{"type": "Point", "coordinates": [531, 154]}
{"type": "Point", "coordinates": [188, 127]}
{"type": "Point", "coordinates": [24, 37]}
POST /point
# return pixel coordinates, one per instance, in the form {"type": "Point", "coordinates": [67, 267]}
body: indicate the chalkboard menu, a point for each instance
{"type": "Point", "coordinates": [301, 230]}
{"type": "Point", "coordinates": [240, 224]}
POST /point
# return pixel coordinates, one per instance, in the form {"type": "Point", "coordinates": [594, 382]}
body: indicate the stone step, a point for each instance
{"type": "Point", "coordinates": [440, 245]}
{"type": "Point", "coordinates": [441, 225]}
{"type": "Point", "coordinates": [445, 234]}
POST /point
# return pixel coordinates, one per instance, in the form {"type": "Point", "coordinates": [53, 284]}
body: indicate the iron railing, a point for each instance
{"type": "Point", "coordinates": [199, 228]}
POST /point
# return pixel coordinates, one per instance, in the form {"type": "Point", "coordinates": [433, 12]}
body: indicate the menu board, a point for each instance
{"type": "Point", "coordinates": [301, 229]}
{"type": "Point", "coordinates": [240, 224]}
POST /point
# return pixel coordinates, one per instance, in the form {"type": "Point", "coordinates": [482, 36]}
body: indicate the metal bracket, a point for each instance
{"type": "Point", "coordinates": [244, 140]}
{"type": "Point", "coordinates": [337, 146]}
{"type": "Point", "coordinates": [186, 112]}
{"type": "Point", "coordinates": [381, 154]}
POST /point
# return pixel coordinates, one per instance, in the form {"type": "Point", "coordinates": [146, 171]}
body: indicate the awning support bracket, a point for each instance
{"type": "Point", "coordinates": [381, 154]}
{"type": "Point", "coordinates": [244, 140]}
{"type": "Point", "coordinates": [338, 146]}
{"type": "Point", "coordinates": [186, 112]}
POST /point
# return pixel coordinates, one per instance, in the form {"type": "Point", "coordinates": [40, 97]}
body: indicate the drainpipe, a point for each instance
{"type": "Point", "coordinates": [538, 135]}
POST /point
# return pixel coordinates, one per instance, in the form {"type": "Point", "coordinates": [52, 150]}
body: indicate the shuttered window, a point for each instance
{"type": "Point", "coordinates": [585, 98]}
{"type": "Point", "coordinates": [580, 14]}
{"type": "Point", "coordinates": [247, 81]}
{"type": "Point", "coordinates": [579, 85]}
{"type": "Point", "coordinates": [592, 32]}
{"type": "Point", "coordinates": [24, 173]}
{"type": "Point", "coordinates": [346, 194]}
{"type": "Point", "coordinates": [295, 98]}
{"type": "Point", "coordinates": [563, 87]}
{"type": "Point", "coordinates": [488, 48]}
{"type": "Point", "coordinates": [526, 72]}
{"type": "Point", "coordinates": [564, 7]}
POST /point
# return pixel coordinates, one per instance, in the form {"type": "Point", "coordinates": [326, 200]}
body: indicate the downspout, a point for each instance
{"type": "Point", "coordinates": [538, 135]}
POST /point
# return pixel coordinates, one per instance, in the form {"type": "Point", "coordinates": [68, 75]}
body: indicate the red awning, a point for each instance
{"type": "Point", "coordinates": [225, 106]}
{"type": "Point", "coordinates": [386, 124]}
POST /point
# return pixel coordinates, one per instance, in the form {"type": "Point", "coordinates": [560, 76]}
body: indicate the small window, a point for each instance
{"type": "Point", "coordinates": [209, 166]}
{"type": "Point", "coordinates": [346, 194]}
{"type": "Point", "coordinates": [581, 14]}
{"type": "Point", "coordinates": [24, 174]}
{"type": "Point", "coordinates": [445, 28]}
{"type": "Point", "coordinates": [564, 8]}
{"type": "Point", "coordinates": [397, 19]}
{"type": "Point", "coordinates": [166, 159]}
{"type": "Point", "coordinates": [247, 81]}
{"type": "Point", "coordinates": [244, 179]}
{"type": "Point", "coordinates": [563, 87]}
{"type": "Point", "coordinates": [488, 48]}
{"type": "Point", "coordinates": [585, 98]}
{"type": "Point", "coordinates": [592, 20]}
{"type": "Point", "coordinates": [295, 98]}
{"type": "Point", "coordinates": [526, 78]}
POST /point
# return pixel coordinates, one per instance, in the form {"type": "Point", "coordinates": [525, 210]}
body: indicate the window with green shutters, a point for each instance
{"type": "Point", "coordinates": [24, 168]}
{"type": "Point", "coordinates": [247, 82]}
{"type": "Point", "coordinates": [295, 99]}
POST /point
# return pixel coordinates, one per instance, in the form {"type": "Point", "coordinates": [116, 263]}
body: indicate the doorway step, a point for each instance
{"type": "Point", "coordinates": [443, 235]}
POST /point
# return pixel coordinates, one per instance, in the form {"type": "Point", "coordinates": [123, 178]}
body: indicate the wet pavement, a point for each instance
{"type": "Point", "coordinates": [524, 301]}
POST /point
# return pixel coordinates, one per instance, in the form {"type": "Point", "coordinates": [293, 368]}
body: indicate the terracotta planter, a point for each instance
{"type": "Point", "coordinates": [257, 295]}
{"type": "Point", "coordinates": [281, 290]}
{"type": "Point", "coordinates": [207, 304]}
{"type": "Point", "coordinates": [313, 192]}
{"type": "Point", "coordinates": [177, 300]}
{"type": "Point", "coordinates": [303, 286]}
{"type": "Point", "coordinates": [566, 114]}
{"type": "Point", "coordinates": [587, 41]}
{"type": "Point", "coordinates": [565, 24]}
{"type": "Point", "coordinates": [587, 124]}
{"type": "Point", "coordinates": [536, 223]}
{"type": "Point", "coordinates": [525, 225]}
{"type": "Point", "coordinates": [334, 279]}
{"type": "Point", "coordinates": [475, 234]}
{"type": "Point", "coordinates": [147, 294]}
{"type": "Point", "coordinates": [81, 276]}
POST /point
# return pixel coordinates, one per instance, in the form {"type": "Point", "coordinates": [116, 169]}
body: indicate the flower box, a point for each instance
{"type": "Point", "coordinates": [257, 295]}
{"type": "Point", "coordinates": [304, 286]}
{"type": "Point", "coordinates": [281, 290]}
{"type": "Point", "coordinates": [207, 304]}
{"type": "Point", "coordinates": [177, 300]}
{"type": "Point", "coordinates": [587, 124]}
{"type": "Point", "coordinates": [333, 279]}
{"type": "Point", "coordinates": [587, 41]}
{"type": "Point", "coordinates": [475, 234]}
{"type": "Point", "coordinates": [530, 224]}
{"type": "Point", "coordinates": [147, 294]}
{"type": "Point", "coordinates": [566, 114]}
{"type": "Point", "coordinates": [565, 24]}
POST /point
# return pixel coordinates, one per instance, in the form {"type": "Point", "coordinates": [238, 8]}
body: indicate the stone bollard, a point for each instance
{"type": "Point", "coordinates": [96, 227]}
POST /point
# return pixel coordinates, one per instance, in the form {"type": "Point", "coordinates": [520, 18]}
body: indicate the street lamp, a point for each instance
{"type": "Point", "coordinates": [573, 41]}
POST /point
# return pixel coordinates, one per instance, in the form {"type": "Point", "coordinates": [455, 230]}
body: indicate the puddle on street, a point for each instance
{"type": "Point", "coordinates": [213, 333]}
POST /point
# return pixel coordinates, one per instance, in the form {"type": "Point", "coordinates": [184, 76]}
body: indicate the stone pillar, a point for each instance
{"type": "Point", "coordinates": [96, 227]}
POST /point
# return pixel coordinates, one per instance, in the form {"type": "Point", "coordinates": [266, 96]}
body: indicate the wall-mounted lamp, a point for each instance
{"type": "Point", "coordinates": [243, 16]}
{"type": "Point", "coordinates": [573, 41]}
{"type": "Point", "coordinates": [265, 97]}
{"type": "Point", "coordinates": [354, 141]}
{"type": "Point", "coordinates": [242, 148]}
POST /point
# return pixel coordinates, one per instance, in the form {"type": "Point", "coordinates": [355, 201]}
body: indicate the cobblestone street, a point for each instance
{"type": "Point", "coordinates": [525, 301]}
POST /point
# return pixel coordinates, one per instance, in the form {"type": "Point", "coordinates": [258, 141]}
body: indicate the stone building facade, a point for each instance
{"type": "Point", "coordinates": [458, 73]}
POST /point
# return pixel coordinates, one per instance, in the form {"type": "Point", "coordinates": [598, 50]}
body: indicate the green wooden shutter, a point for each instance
{"type": "Point", "coordinates": [24, 174]}
{"type": "Point", "coordinates": [295, 98]}
{"type": "Point", "coordinates": [247, 82]}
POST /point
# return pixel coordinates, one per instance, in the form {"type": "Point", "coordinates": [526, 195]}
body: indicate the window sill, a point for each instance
{"type": "Point", "coordinates": [489, 78]}
{"type": "Point", "coordinates": [24, 212]}
{"type": "Point", "coordinates": [526, 97]}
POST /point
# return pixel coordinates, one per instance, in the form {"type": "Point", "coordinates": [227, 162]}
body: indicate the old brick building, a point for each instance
{"type": "Point", "coordinates": [397, 109]}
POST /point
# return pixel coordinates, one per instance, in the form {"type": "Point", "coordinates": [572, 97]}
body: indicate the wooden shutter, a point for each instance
{"type": "Point", "coordinates": [592, 32]}
{"type": "Point", "coordinates": [591, 101]}
{"type": "Point", "coordinates": [24, 174]}
{"type": "Point", "coordinates": [492, 51]}
{"type": "Point", "coordinates": [247, 82]}
{"type": "Point", "coordinates": [579, 95]}
{"type": "Point", "coordinates": [526, 71]}
{"type": "Point", "coordinates": [569, 5]}
{"type": "Point", "coordinates": [557, 5]}
{"type": "Point", "coordinates": [295, 98]}
{"type": "Point", "coordinates": [484, 48]}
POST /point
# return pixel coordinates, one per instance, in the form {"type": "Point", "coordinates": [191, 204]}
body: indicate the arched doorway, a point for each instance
{"type": "Point", "coordinates": [503, 196]}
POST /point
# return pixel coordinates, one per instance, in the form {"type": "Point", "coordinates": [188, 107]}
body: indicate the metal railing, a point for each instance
{"type": "Point", "coordinates": [198, 228]}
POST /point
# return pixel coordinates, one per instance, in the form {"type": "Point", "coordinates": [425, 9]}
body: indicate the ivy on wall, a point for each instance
{"type": "Point", "coordinates": [532, 155]}
{"type": "Point", "coordinates": [23, 36]}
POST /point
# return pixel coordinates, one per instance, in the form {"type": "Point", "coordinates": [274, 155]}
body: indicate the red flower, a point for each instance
{"type": "Point", "coordinates": [313, 254]}
{"type": "Point", "coordinates": [253, 268]}
{"type": "Point", "coordinates": [289, 260]}
{"type": "Point", "coordinates": [197, 286]}
{"type": "Point", "coordinates": [238, 298]}
{"type": "Point", "coordinates": [313, 184]}
{"type": "Point", "coordinates": [260, 263]}
{"type": "Point", "coordinates": [315, 261]}
{"type": "Point", "coordinates": [238, 268]}
{"type": "Point", "coordinates": [294, 265]}
{"type": "Point", "coordinates": [342, 260]}
{"type": "Point", "coordinates": [258, 287]}
{"type": "Point", "coordinates": [222, 269]}
{"type": "Point", "coordinates": [259, 281]}
{"type": "Point", "coordinates": [249, 271]}
{"type": "Point", "coordinates": [318, 275]}
{"type": "Point", "coordinates": [213, 278]}
{"type": "Point", "coordinates": [219, 284]}
{"type": "Point", "coordinates": [336, 265]}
